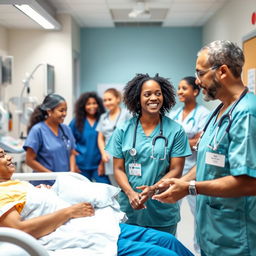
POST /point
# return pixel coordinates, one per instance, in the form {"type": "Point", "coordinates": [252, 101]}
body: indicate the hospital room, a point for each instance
{"type": "Point", "coordinates": [127, 127]}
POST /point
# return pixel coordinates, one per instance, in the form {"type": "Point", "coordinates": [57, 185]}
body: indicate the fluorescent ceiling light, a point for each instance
{"type": "Point", "coordinates": [37, 17]}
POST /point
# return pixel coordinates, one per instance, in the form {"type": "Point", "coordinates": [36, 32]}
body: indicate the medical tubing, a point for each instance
{"type": "Point", "coordinates": [135, 132]}
{"type": "Point", "coordinates": [223, 117]}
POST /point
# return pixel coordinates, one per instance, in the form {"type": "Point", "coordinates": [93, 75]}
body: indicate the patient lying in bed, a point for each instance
{"type": "Point", "coordinates": [77, 215]}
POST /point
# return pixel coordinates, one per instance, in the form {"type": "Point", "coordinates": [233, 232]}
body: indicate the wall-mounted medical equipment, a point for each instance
{"type": "Point", "coordinates": [6, 69]}
{"type": "Point", "coordinates": [8, 143]}
{"type": "Point", "coordinates": [25, 103]}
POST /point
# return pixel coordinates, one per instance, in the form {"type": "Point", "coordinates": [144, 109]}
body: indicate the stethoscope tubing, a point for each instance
{"type": "Point", "coordinates": [192, 118]}
{"type": "Point", "coordinates": [133, 150]}
{"type": "Point", "coordinates": [228, 116]}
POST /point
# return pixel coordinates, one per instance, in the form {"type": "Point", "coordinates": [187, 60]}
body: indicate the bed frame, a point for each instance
{"type": "Point", "coordinates": [20, 238]}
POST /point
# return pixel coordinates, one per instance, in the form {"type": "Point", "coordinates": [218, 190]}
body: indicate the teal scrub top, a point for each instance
{"type": "Point", "coordinates": [192, 124]}
{"type": "Point", "coordinates": [156, 214]}
{"type": "Point", "coordinates": [227, 226]}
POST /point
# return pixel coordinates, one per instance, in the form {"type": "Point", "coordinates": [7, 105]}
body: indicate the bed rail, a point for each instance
{"type": "Point", "coordinates": [23, 240]}
{"type": "Point", "coordinates": [43, 176]}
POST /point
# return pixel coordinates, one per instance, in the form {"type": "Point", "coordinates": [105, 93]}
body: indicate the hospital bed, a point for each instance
{"type": "Point", "coordinates": [16, 237]}
{"type": "Point", "coordinates": [18, 243]}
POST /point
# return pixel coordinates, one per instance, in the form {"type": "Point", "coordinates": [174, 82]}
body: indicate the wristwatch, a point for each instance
{"type": "Point", "coordinates": [192, 188]}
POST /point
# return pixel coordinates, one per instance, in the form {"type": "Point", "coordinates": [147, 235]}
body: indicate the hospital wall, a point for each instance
{"type": "Point", "coordinates": [115, 55]}
{"type": "Point", "coordinates": [3, 41]}
{"type": "Point", "coordinates": [32, 47]}
{"type": "Point", "coordinates": [232, 22]}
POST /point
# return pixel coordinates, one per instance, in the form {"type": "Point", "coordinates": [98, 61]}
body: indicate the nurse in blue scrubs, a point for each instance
{"type": "Point", "coordinates": [88, 110]}
{"type": "Point", "coordinates": [50, 143]}
{"type": "Point", "coordinates": [224, 179]}
{"type": "Point", "coordinates": [146, 149]}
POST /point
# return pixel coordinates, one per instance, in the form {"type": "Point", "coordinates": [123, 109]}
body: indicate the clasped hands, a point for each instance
{"type": "Point", "coordinates": [170, 190]}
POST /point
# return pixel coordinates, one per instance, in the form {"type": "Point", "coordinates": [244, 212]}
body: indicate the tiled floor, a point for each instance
{"type": "Point", "coordinates": [185, 228]}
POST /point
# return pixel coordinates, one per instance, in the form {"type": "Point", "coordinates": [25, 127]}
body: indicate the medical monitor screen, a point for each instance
{"type": "Point", "coordinates": [50, 79]}
{"type": "Point", "coordinates": [1, 69]}
{"type": "Point", "coordinates": [7, 70]}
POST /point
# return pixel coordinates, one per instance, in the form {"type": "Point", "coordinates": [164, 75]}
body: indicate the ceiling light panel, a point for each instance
{"type": "Point", "coordinates": [122, 14]}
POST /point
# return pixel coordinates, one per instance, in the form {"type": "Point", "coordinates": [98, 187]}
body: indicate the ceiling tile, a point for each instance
{"type": "Point", "coordinates": [95, 13]}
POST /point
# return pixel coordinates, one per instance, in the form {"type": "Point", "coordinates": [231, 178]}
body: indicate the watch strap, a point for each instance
{"type": "Point", "coordinates": [192, 188]}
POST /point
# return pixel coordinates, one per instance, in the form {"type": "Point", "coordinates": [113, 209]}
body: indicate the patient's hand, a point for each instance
{"type": "Point", "coordinates": [43, 186]}
{"type": "Point", "coordinates": [81, 210]}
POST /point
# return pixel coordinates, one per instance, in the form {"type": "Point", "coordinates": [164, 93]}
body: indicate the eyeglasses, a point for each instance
{"type": "Point", "coordinates": [200, 73]}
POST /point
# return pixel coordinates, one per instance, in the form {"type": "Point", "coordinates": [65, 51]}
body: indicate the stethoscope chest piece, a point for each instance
{"type": "Point", "coordinates": [133, 152]}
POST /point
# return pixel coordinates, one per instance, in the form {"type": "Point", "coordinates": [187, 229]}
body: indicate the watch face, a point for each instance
{"type": "Point", "coordinates": [192, 188]}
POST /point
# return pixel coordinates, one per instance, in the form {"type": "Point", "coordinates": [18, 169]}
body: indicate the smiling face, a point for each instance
{"type": "Point", "coordinates": [207, 80]}
{"type": "Point", "coordinates": [58, 114]}
{"type": "Point", "coordinates": [185, 92]}
{"type": "Point", "coordinates": [151, 97]}
{"type": "Point", "coordinates": [7, 168]}
{"type": "Point", "coordinates": [91, 107]}
{"type": "Point", "coordinates": [110, 101]}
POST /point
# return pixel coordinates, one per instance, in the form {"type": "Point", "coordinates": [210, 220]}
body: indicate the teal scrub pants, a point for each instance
{"type": "Point", "coordinates": [140, 241]}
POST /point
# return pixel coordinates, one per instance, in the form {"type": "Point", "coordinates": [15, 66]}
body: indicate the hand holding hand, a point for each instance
{"type": "Point", "coordinates": [147, 192]}
{"type": "Point", "coordinates": [135, 201]}
{"type": "Point", "coordinates": [177, 190]}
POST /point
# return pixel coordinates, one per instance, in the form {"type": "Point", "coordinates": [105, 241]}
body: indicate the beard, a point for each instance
{"type": "Point", "coordinates": [212, 90]}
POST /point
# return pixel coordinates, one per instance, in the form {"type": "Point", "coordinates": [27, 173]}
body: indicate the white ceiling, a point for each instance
{"type": "Point", "coordinates": [105, 13]}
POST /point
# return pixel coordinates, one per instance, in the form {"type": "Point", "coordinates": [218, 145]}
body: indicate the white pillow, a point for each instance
{"type": "Point", "coordinates": [76, 189]}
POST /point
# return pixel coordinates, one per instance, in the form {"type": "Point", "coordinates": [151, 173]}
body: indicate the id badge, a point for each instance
{"type": "Point", "coordinates": [215, 159]}
{"type": "Point", "coordinates": [135, 169]}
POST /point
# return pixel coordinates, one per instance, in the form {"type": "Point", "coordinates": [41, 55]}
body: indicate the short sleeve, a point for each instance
{"type": "Point", "coordinates": [181, 146]}
{"type": "Point", "coordinates": [34, 139]}
{"type": "Point", "coordinates": [243, 147]}
{"type": "Point", "coordinates": [114, 146]}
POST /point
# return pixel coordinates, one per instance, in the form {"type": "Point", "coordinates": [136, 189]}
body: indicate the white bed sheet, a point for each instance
{"type": "Point", "coordinates": [92, 236]}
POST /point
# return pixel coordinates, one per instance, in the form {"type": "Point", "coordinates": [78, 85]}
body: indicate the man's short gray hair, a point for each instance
{"type": "Point", "coordinates": [222, 52]}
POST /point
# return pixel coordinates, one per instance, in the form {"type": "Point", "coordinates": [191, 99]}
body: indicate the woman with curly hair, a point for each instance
{"type": "Point", "coordinates": [148, 148]}
{"type": "Point", "coordinates": [88, 109]}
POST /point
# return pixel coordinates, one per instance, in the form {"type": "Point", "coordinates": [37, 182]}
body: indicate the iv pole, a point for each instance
{"type": "Point", "coordinates": [25, 82]}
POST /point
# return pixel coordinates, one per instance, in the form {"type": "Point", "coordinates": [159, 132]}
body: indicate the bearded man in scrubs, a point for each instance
{"type": "Point", "coordinates": [224, 180]}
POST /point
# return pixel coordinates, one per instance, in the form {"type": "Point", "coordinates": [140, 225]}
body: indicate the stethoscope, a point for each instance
{"type": "Point", "coordinates": [117, 119]}
{"type": "Point", "coordinates": [228, 116]}
{"type": "Point", "coordinates": [65, 139]}
{"type": "Point", "coordinates": [192, 118]}
{"type": "Point", "coordinates": [133, 151]}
